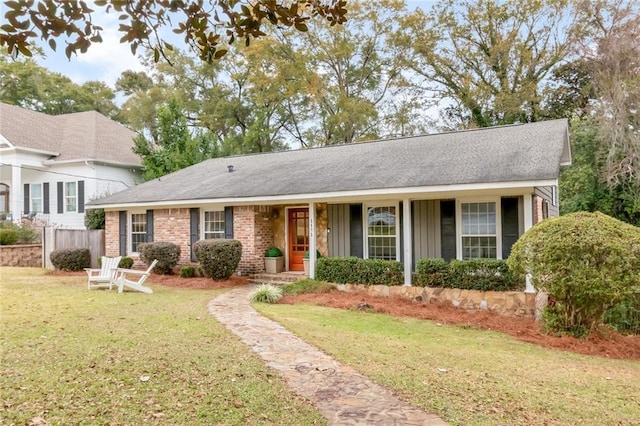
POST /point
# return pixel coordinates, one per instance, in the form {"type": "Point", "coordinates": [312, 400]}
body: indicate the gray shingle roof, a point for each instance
{"type": "Point", "coordinates": [82, 135]}
{"type": "Point", "coordinates": [528, 152]}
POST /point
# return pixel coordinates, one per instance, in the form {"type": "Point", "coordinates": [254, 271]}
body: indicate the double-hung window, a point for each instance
{"type": "Point", "coordinates": [36, 198]}
{"type": "Point", "coordinates": [214, 224]}
{"type": "Point", "coordinates": [382, 232]}
{"type": "Point", "coordinates": [70, 197]}
{"type": "Point", "coordinates": [138, 230]}
{"type": "Point", "coordinates": [479, 230]}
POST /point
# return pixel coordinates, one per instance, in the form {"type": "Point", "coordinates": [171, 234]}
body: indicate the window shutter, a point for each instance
{"type": "Point", "coordinates": [228, 223]}
{"type": "Point", "coordinates": [355, 230]}
{"type": "Point", "coordinates": [400, 220]}
{"type": "Point", "coordinates": [25, 207]}
{"type": "Point", "coordinates": [122, 233]}
{"type": "Point", "coordinates": [149, 226]}
{"type": "Point", "coordinates": [80, 196]}
{"type": "Point", "coordinates": [509, 207]}
{"type": "Point", "coordinates": [448, 229]}
{"type": "Point", "coordinates": [194, 229]}
{"type": "Point", "coordinates": [45, 196]}
{"type": "Point", "coordinates": [60, 197]}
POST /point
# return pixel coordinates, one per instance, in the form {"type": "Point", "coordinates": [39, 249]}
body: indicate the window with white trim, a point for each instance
{"type": "Point", "coordinates": [138, 230]}
{"type": "Point", "coordinates": [479, 230]}
{"type": "Point", "coordinates": [70, 197]}
{"type": "Point", "coordinates": [382, 232]}
{"type": "Point", "coordinates": [214, 224]}
{"type": "Point", "coordinates": [35, 193]}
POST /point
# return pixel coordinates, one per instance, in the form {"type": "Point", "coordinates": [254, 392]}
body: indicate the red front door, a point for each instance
{"type": "Point", "coordinates": [298, 224]}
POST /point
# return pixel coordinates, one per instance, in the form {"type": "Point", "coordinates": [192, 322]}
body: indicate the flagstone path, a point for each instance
{"type": "Point", "coordinates": [343, 396]}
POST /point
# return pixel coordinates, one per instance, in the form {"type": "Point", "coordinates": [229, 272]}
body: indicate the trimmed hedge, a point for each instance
{"type": "Point", "coordinates": [166, 253]}
{"type": "Point", "coordinates": [472, 274]}
{"type": "Point", "coordinates": [71, 259]}
{"type": "Point", "coordinates": [359, 271]}
{"type": "Point", "coordinates": [218, 258]}
{"type": "Point", "coordinates": [587, 262]}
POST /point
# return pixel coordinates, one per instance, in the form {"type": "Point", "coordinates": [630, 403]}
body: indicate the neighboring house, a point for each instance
{"type": "Point", "coordinates": [462, 195]}
{"type": "Point", "coordinates": [51, 166]}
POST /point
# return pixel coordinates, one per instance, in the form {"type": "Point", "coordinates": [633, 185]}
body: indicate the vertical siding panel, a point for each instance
{"type": "Point", "coordinates": [339, 238]}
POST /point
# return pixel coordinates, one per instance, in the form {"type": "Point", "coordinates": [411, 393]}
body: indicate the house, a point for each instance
{"type": "Point", "coordinates": [467, 194]}
{"type": "Point", "coordinates": [51, 166]}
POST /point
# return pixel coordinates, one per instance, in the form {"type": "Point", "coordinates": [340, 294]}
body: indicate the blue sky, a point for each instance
{"type": "Point", "coordinates": [107, 60]}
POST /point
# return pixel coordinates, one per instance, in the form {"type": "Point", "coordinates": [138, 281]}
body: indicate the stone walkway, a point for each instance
{"type": "Point", "coordinates": [343, 396]}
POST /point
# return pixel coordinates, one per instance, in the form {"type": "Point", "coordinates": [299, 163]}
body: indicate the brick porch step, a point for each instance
{"type": "Point", "coordinates": [281, 278]}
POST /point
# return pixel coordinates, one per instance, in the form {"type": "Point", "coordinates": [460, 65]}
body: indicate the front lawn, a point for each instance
{"type": "Point", "coordinates": [73, 356]}
{"type": "Point", "coordinates": [469, 376]}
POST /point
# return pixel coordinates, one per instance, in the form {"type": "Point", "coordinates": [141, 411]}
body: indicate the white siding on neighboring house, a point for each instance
{"type": "Point", "coordinates": [112, 179]}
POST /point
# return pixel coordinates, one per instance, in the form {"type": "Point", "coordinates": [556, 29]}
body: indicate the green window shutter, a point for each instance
{"type": "Point", "coordinates": [194, 229]}
{"type": "Point", "coordinates": [356, 237]}
{"type": "Point", "coordinates": [80, 196]}
{"type": "Point", "coordinates": [25, 207]}
{"type": "Point", "coordinates": [448, 229]}
{"type": "Point", "coordinates": [228, 223]}
{"type": "Point", "coordinates": [149, 226]}
{"type": "Point", "coordinates": [45, 196]}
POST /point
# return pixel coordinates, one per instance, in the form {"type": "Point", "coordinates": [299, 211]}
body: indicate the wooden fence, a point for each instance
{"type": "Point", "coordinates": [58, 239]}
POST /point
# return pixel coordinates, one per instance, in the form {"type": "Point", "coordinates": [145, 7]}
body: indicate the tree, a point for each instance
{"type": "Point", "coordinates": [490, 58]}
{"type": "Point", "coordinates": [28, 85]}
{"type": "Point", "coordinates": [353, 87]}
{"type": "Point", "coordinates": [176, 146]}
{"type": "Point", "coordinates": [207, 27]}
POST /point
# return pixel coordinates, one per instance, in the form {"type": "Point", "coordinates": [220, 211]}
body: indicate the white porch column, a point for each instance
{"type": "Point", "coordinates": [312, 240]}
{"type": "Point", "coordinates": [408, 240]}
{"type": "Point", "coordinates": [528, 211]}
{"type": "Point", "coordinates": [15, 196]}
{"type": "Point", "coordinates": [528, 224]}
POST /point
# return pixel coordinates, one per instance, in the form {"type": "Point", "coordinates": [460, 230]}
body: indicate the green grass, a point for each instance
{"type": "Point", "coordinates": [469, 376]}
{"type": "Point", "coordinates": [73, 356]}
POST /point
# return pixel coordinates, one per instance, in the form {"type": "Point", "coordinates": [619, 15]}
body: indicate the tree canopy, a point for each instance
{"type": "Point", "coordinates": [208, 27]}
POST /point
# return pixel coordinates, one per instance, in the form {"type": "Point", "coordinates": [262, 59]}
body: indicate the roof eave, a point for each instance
{"type": "Point", "coordinates": [93, 160]}
{"type": "Point", "coordinates": [370, 194]}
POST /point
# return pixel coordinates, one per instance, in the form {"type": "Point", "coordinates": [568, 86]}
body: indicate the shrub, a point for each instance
{"type": "Point", "coordinates": [318, 254]}
{"type": "Point", "coordinates": [166, 253]}
{"type": "Point", "coordinates": [94, 218]}
{"type": "Point", "coordinates": [359, 271]}
{"type": "Point", "coordinates": [266, 293]}
{"type": "Point", "coordinates": [71, 259]}
{"type": "Point", "coordinates": [587, 262]}
{"type": "Point", "coordinates": [10, 234]}
{"type": "Point", "coordinates": [187, 272]}
{"type": "Point", "coordinates": [432, 272]}
{"type": "Point", "coordinates": [273, 252]}
{"type": "Point", "coordinates": [218, 258]}
{"type": "Point", "coordinates": [472, 274]}
{"type": "Point", "coordinates": [307, 286]}
{"type": "Point", "coordinates": [126, 263]}
{"type": "Point", "coordinates": [481, 274]}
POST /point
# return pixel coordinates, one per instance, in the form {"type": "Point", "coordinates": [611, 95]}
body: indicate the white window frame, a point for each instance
{"type": "Point", "coordinates": [554, 195]}
{"type": "Point", "coordinates": [69, 197]}
{"type": "Point", "coordinates": [459, 202]}
{"type": "Point", "coordinates": [365, 225]}
{"type": "Point", "coordinates": [32, 209]}
{"type": "Point", "coordinates": [130, 232]}
{"type": "Point", "coordinates": [203, 233]}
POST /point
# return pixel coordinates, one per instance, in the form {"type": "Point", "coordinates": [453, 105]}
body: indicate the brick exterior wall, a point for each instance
{"type": "Point", "coordinates": [253, 227]}
{"type": "Point", "coordinates": [21, 255]}
{"type": "Point", "coordinates": [111, 234]}
{"type": "Point", "coordinates": [537, 209]}
{"type": "Point", "coordinates": [173, 226]}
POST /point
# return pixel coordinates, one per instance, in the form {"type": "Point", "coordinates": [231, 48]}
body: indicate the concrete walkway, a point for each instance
{"type": "Point", "coordinates": [343, 396]}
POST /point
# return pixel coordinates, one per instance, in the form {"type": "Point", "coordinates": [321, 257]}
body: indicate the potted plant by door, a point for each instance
{"type": "Point", "coordinates": [305, 260]}
{"type": "Point", "coordinates": [273, 261]}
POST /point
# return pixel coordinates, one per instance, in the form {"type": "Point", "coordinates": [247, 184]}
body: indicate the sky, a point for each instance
{"type": "Point", "coordinates": [107, 60]}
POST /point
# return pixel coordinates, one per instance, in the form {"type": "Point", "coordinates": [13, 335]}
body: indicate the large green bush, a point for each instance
{"type": "Point", "coordinates": [166, 253]}
{"type": "Point", "coordinates": [218, 258]}
{"type": "Point", "coordinates": [359, 271]}
{"type": "Point", "coordinates": [472, 274]}
{"type": "Point", "coordinates": [94, 219]}
{"type": "Point", "coordinates": [8, 235]}
{"type": "Point", "coordinates": [587, 262]}
{"type": "Point", "coordinates": [71, 259]}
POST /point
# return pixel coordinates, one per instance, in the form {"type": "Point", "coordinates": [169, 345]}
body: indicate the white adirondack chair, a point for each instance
{"type": "Point", "coordinates": [125, 278]}
{"type": "Point", "coordinates": [103, 277]}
